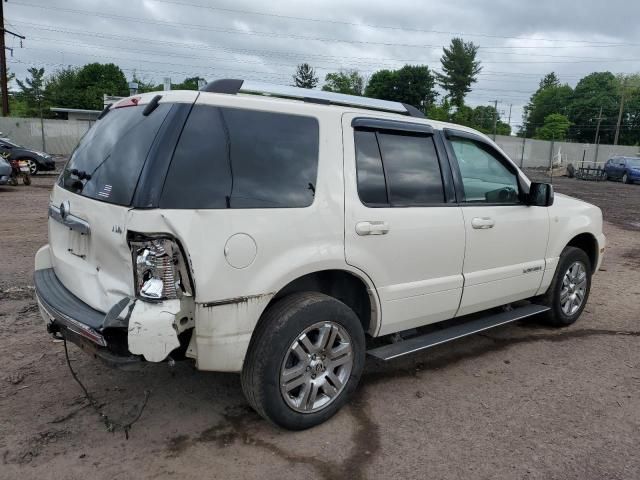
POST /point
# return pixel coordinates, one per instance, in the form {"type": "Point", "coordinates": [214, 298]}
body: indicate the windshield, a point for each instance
{"type": "Point", "coordinates": [108, 161]}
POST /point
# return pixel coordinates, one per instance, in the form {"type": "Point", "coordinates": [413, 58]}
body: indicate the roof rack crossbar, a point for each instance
{"type": "Point", "coordinates": [233, 86]}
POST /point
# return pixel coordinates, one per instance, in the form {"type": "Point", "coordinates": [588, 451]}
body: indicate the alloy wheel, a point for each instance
{"type": "Point", "coordinates": [316, 367]}
{"type": "Point", "coordinates": [33, 166]}
{"type": "Point", "coordinates": [574, 288]}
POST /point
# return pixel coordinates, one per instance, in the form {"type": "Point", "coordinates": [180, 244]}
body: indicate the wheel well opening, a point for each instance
{"type": "Point", "coordinates": [587, 243]}
{"type": "Point", "coordinates": [344, 286]}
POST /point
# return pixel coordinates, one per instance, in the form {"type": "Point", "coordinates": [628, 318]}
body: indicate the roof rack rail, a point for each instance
{"type": "Point", "coordinates": [234, 86]}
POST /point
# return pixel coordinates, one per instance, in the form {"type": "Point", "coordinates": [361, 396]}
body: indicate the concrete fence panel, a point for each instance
{"type": "Point", "coordinates": [60, 136]}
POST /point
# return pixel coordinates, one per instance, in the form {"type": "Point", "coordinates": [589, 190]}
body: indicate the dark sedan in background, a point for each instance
{"type": "Point", "coordinates": [626, 169]}
{"type": "Point", "coordinates": [37, 161]}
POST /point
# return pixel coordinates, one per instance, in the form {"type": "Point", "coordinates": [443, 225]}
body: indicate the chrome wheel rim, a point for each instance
{"type": "Point", "coordinates": [574, 288]}
{"type": "Point", "coordinates": [316, 367]}
{"type": "Point", "coordinates": [625, 178]}
{"type": "Point", "coordinates": [33, 167]}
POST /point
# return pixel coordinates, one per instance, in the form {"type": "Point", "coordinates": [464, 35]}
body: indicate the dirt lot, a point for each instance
{"type": "Point", "coordinates": [520, 402]}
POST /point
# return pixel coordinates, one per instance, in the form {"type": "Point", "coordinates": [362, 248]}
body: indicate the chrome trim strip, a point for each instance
{"type": "Point", "coordinates": [70, 221]}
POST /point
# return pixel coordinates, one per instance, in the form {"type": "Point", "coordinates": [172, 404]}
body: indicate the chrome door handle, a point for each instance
{"type": "Point", "coordinates": [372, 228]}
{"type": "Point", "coordinates": [482, 223]}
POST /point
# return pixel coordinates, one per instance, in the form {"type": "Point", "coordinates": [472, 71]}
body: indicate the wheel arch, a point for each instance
{"type": "Point", "coordinates": [353, 289]}
{"type": "Point", "coordinates": [588, 243]}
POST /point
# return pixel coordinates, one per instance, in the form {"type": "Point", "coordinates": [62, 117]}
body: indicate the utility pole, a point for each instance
{"type": "Point", "coordinates": [495, 119]}
{"type": "Point", "coordinates": [510, 107]}
{"type": "Point", "coordinates": [3, 61]}
{"type": "Point", "coordinates": [617, 135]}
{"type": "Point", "coordinates": [595, 140]}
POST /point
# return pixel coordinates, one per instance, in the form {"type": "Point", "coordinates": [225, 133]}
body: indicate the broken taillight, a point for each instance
{"type": "Point", "coordinates": [160, 270]}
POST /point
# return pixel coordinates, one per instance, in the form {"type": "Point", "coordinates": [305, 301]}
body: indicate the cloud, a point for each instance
{"type": "Point", "coordinates": [520, 41]}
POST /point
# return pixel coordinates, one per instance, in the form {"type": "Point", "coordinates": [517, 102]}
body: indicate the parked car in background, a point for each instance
{"type": "Point", "coordinates": [626, 169]}
{"type": "Point", "coordinates": [37, 161]}
{"type": "Point", "coordinates": [5, 171]}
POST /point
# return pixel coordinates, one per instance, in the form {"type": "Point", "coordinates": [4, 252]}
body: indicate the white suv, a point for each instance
{"type": "Point", "coordinates": [273, 231]}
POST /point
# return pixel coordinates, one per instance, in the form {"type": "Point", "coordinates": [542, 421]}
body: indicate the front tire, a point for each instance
{"type": "Point", "coordinates": [625, 178]}
{"type": "Point", "coordinates": [569, 290]}
{"type": "Point", "coordinates": [304, 361]}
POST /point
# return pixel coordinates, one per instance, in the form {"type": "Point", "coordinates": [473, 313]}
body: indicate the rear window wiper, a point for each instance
{"type": "Point", "coordinates": [81, 174]}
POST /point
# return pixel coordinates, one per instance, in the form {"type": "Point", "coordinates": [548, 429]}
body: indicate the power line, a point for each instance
{"type": "Point", "coordinates": [341, 22]}
{"type": "Point", "coordinates": [200, 46]}
{"type": "Point", "coordinates": [252, 32]}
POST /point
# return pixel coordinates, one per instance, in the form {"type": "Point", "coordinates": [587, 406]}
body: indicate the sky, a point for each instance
{"type": "Point", "coordinates": [519, 40]}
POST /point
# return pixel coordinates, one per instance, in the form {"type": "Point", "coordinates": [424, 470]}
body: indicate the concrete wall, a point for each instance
{"type": "Point", "coordinates": [61, 136]}
{"type": "Point", "coordinates": [538, 153]}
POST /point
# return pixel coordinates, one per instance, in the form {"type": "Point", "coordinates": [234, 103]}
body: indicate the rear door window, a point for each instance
{"type": "Point", "coordinates": [397, 169]}
{"type": "Point", "coordinates": [238, 158]}
{"type": "Point", "coordinates": [107, 162]}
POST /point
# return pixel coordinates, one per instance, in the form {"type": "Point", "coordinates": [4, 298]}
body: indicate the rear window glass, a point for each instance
{"type": "Point", "coordinates": [397, 169]}
{"type": "Point", "coordinates": [237, 158]}
{"type": "Point", "coordinates": [372, 186]}
{"type": "Point", "coordinates": [107, 162]}
{"type": "Point", "coordinates": [412, 169]}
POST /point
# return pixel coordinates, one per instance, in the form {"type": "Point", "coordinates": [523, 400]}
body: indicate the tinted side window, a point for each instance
{"type": "Point", "coordinates": [485, 178]}
{"type": "Point", "coordinates": [236, 158]}
{"type": "Point", "coordinates": [411, 168]}
{"type": "Point", "coordinates": [372, 187]}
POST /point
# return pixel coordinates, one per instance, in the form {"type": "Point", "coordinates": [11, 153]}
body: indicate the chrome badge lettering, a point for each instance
{"type": "Point", "coordinates": [532, 269]}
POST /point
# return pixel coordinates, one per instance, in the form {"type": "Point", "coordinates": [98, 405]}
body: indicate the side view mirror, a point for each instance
{"type": "Point", "coordinates": [540, 195]}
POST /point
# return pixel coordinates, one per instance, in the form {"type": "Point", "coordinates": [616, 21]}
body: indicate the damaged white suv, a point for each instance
{"type": "Point", "coordinates": [275, 231]}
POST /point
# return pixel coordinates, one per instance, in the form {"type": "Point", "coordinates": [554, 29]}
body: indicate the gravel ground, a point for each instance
{"type": "Point", "coordinates": [521, 401]}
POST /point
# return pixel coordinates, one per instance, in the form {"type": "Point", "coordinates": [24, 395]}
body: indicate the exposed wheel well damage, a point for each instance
{"type": "Point", "coordinates": [587, 243]}
{"type": "Point", "coordinates": [339, 284]}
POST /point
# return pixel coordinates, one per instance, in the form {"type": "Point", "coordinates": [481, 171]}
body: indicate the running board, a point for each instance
{"type": "Point", "coordinates": [422, 342]}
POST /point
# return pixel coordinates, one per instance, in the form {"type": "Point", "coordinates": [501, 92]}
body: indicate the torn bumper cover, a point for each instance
{"type": "Point", "coordinates": [129, 331]}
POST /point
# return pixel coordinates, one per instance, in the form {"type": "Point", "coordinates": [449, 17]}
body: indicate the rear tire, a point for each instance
{"type": "Point", "coordinates": [569, 290]}
{"type": "Point", "coordinates": [625, 178]}
{"type": "Point", "coordinates": [33, 166]}
{"type": "Point", "coordinates": [304, 361]}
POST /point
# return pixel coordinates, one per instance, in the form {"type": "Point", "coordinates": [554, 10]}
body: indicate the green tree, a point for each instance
{"type": "Point", "coordinates": [596, 90]}
{"type": "Point", "coordinates": [61, 89]}
{"type": "Point", "coordinates": [412, 84]}
{"type": "Point", "coordinates": [32, 93]}
{"type": "Point", "coordinates": [190, 83]}
{"type": "Point", "coordinates": [460, 69]}
{"type": "Point", "coordinates": [84, 87]}
{"type": "Point", "coordinates": [96, 79]}
{"type": "Point", "coordinates": [440, 111]}
{"type": "Point", "coordinates": [305, 76]}
{"type": "Point", "coordinates": [551, 97]}
{"type": "Point", "coordinates": [555, 127]}
{"type": "Point", "coordinates": [349, 82]}
{"type": "Point", "coordinates": [481, 117]}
